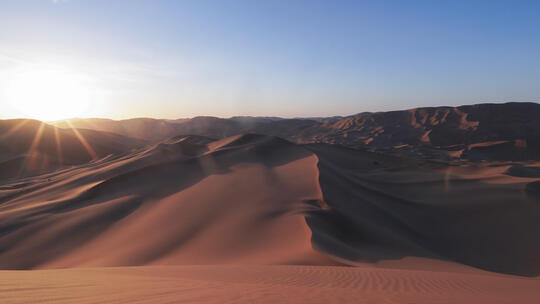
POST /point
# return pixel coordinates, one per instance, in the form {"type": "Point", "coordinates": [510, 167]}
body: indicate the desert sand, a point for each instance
{"type": "Point", "coordinates": [262, 284]}
{"type": "Point", "coordinates": [257, 219]}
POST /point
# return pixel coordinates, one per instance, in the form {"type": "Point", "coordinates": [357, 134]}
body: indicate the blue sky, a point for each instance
{"type": "Point", "coordinates": [176, 59]}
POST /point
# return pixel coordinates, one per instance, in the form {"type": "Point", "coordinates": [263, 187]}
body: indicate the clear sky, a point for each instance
{"type": "Point", "coordinates": [172, 59]}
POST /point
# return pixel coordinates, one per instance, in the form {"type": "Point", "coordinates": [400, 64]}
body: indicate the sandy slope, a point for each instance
{"type": "Point", "coordinates": [240, 200]}
{"type": "Point", "coordinates": [253, 200]}
{"type": "Point", "coordinates": [262, 284]}
{"type": "Point", "coordinates": [29, 147]}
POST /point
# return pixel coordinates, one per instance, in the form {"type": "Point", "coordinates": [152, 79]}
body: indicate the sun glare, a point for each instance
{"type": "Point", "coordinates": [48, 94]}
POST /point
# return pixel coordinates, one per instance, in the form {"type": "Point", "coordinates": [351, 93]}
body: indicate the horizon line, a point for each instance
{"type": "Point", "coordinates": [276, 117]}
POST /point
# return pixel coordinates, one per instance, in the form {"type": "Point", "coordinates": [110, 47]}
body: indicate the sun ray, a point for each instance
{"type": "Point", "coordinates": [14, 129]}
{"type": "Point", "coordinates": [58, 146]}
{"type": "Point", "coordinates": [30, 156]}
{"type": "Point", "coordinates": [83, 141]}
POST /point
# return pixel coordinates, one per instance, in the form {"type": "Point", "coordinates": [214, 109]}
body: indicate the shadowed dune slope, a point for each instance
{"type": "Point", "coordinates": [387, 208]}
{"type": "Point", "coordinates": [256, 199]}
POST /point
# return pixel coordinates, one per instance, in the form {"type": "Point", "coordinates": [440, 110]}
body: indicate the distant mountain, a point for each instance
{"type": "Point", "coordinates": [142, 128]}
{"type": "Point", "coordinates": [483, 131]}
{"type": "Point", "coordinates": [508, 131]}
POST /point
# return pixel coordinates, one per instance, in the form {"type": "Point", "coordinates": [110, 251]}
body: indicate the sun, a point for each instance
{"type": "Point", "coordinates": [48, 94]}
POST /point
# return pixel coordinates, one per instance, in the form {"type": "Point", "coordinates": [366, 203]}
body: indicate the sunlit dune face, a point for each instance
{"type": "Point", "coordinates": [48, 94]}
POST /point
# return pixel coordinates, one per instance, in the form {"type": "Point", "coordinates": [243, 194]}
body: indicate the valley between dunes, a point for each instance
{"type": "Point", "coordinates": [257, 219]}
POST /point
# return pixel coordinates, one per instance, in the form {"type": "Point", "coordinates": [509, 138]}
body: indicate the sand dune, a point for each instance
{"type": "Point", "coordinates": [30, 147]}
{"type": "Point", "coordinates": [262, 200]}
{"type": "Point", "coordinates": [252, 200]}
{"type": "Point", "coordinates": [242, 199]}
{"type": "Point", "coordinates": [382, 207]}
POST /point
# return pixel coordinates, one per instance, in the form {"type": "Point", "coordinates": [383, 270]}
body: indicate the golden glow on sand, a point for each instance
{"type": "Point", "coordinates": [48, 94]}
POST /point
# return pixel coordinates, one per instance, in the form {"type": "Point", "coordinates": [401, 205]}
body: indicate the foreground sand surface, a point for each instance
{"type": "Point", "coordinates": [263, 284]}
